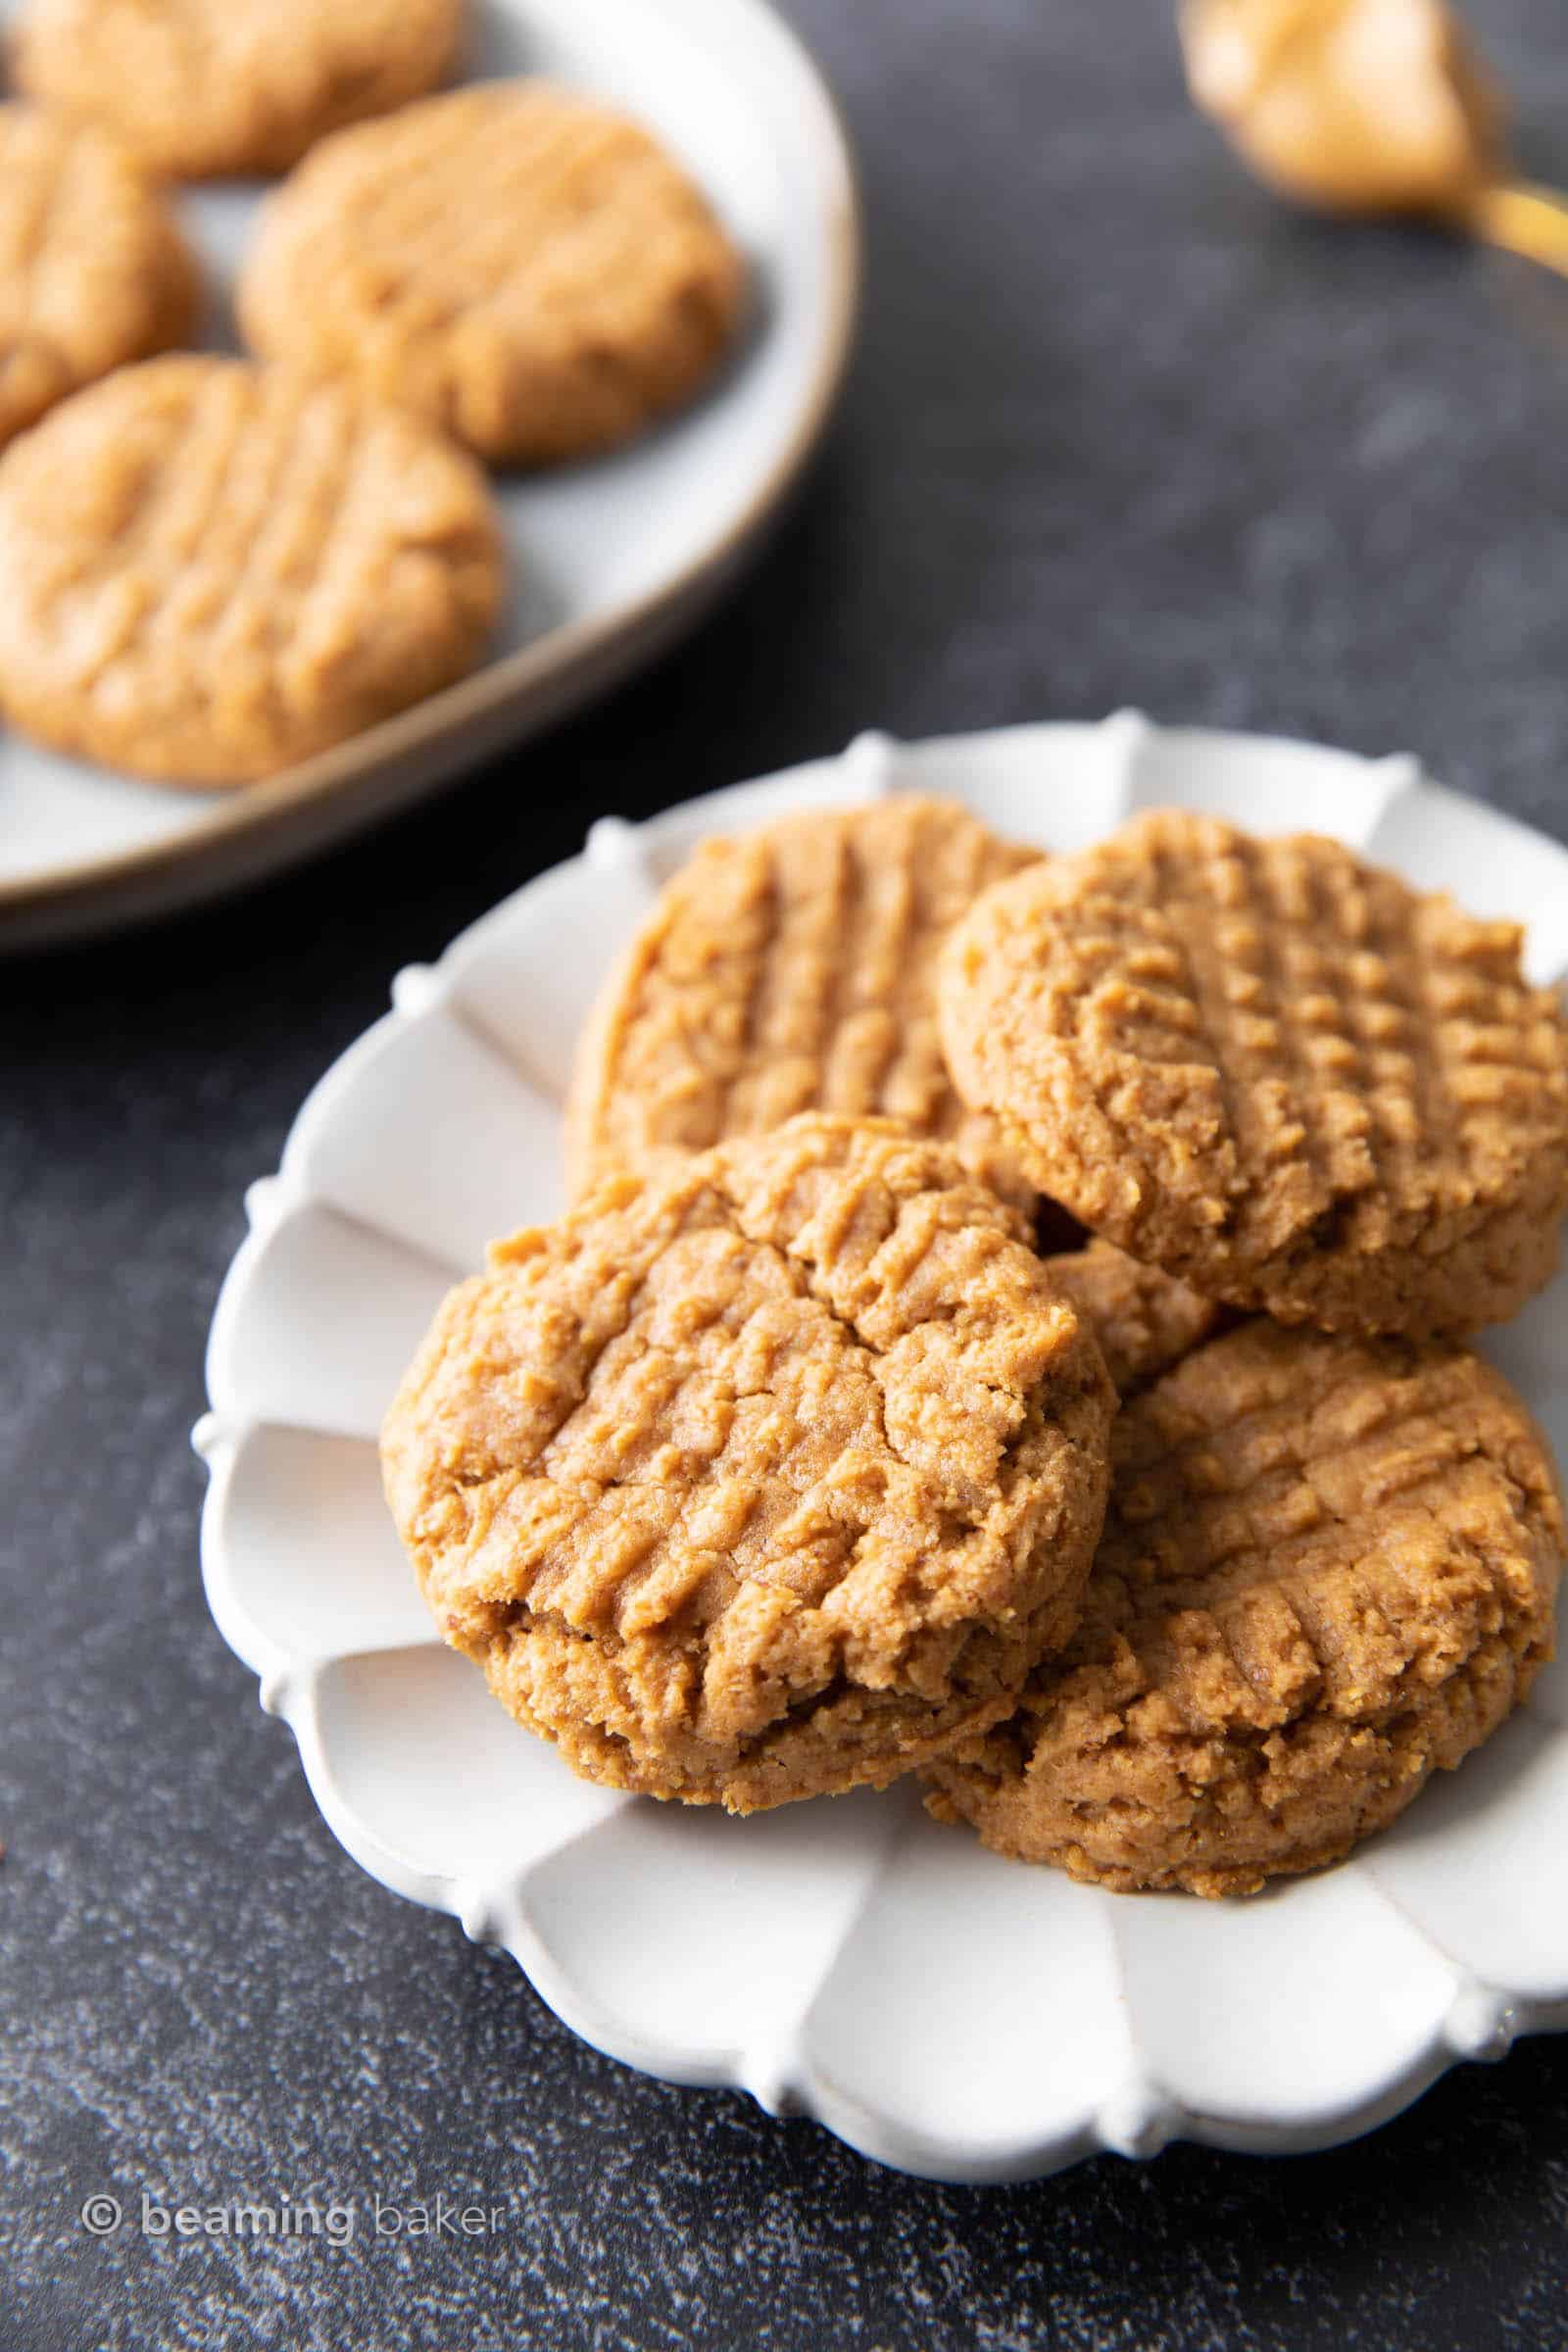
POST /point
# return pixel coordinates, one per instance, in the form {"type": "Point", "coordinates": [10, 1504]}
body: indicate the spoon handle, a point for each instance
{"type": "Point", "coordinates": [1523, 220]}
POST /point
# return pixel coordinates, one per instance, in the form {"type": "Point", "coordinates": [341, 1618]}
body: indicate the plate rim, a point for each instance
{"type": "Point", "coordinates": [313, 804]}
{"type": "Point", "coordinates": [1137, 2117]}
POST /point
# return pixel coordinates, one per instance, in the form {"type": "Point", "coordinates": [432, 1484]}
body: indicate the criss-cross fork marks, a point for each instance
{"type": "Point", "coordinates": [1302, 1521]}
{"type": "Point", "coordinates": [733, 1431]}
{"type": "Point", "coordinates": [733, 1425]}
{"type": "Point", "coordinates": [794, 970]}
{"type": "Point", "coordinates": [1272, 1070]}
{"type": "Point", "coordinates": [1372, 1053]}
{"type": "Point", "coordinates": [808, 1403]}
{"type": "Point", "coordinates": [1328, 1570]}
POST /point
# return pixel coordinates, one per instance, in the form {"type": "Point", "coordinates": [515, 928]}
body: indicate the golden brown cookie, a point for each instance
{"type": "Point", "coordinates": [520, 267]}
{"type": "Point", "coordinates": [93, 269]}
{"type": "Point", "coordinates": [202, 88]}
{"type": "Point", "coordinates": [767, 1479]}
{"type": "Point", "coordinates": [1327, 1569]}
{"type": "Point", "coordinates": [1145, 1320]}
{"type": "Point", "coordinates": [790, 969]}
{"type": "Point", "coordinates": [209, 570]}
{"type": "Point", "coordinates": [1274, 1070]}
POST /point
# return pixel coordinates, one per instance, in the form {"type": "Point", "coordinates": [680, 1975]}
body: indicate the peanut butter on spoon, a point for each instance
{"type": "Point", "coordinates": [1367, 106]}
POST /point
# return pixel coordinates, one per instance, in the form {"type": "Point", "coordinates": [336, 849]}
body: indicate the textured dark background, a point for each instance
{"type": "Point", "coordinates": [1119, 430]}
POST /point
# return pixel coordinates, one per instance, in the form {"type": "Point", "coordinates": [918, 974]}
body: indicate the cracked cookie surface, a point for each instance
{"type": "Point", "coordinates": [201, 88]}
{"type": "Point", "coordinates": [209, 570]}
{"type": "Point", "coordinates": [520, 267]}
{"type": "Point", "coordinates": [1328, 1568]}
{"type": "Point", "coordinates": [764, 1479]}
{"type": "Point", "coordinates": [787, 970]}
{"type": "Point", "coordinates": [1274, 1070]}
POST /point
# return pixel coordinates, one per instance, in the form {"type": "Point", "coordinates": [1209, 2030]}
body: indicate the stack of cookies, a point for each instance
{"type": "Point", "coordinates": [212, 569]}
{"type": "Point", "coordinates": [1010, 1328]}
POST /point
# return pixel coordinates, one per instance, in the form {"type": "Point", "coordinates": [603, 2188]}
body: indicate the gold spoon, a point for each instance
{"type": "Point", "coordinates": [1365, 107]}
{"type": "Point", "coordinates": [1521, 218]}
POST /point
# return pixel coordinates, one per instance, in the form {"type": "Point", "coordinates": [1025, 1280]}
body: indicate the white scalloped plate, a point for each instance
{"type": "Point", "coordinates": [940, 2009]}
{"type": "Point", "coordinates": [610, 559]}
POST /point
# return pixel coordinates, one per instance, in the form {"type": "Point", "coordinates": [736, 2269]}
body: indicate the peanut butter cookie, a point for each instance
{"type": "Point", "coordinates": [201, 88]}
{"type": "Point", "coordinates": [1273, 1071]}
{"type": "Point", "coordinates": [1145, 1320]}
{"type": "Point", "coordinates": [520, 267]}
{"type": "Point", "coordinates": [209, 572]}
{"type": "Point", "coordinates": [766, 1478]}
{"type": "Point", "coordinates": [1327, 1569]}
{"type": "Point", "coordinates": [790, 969]}
{"type": "Point", "coordinates": [93, 269]}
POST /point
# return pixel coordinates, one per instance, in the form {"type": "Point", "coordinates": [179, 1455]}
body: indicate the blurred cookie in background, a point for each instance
{"type": "Point", "coordinates": [517, 264]}
{"type": "Point", "coordinates": [211, 571]}
{"type": "Point", "coordinates": [215, 88]}
{"type": "Point", "coordinates": [93, 268]}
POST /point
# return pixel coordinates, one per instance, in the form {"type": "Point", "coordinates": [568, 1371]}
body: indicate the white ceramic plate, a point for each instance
{"type": "Point", "coordinates": [940, 2009]}
{"type": "Point", "coordinates": [611, 558]}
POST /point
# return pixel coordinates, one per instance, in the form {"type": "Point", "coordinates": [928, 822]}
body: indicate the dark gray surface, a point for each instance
{"type": "Point", "coordinates": [1119, 431]}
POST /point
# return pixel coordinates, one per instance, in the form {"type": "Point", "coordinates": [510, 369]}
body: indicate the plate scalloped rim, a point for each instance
{"type": "Point", "coordinates": [842, 2023]}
